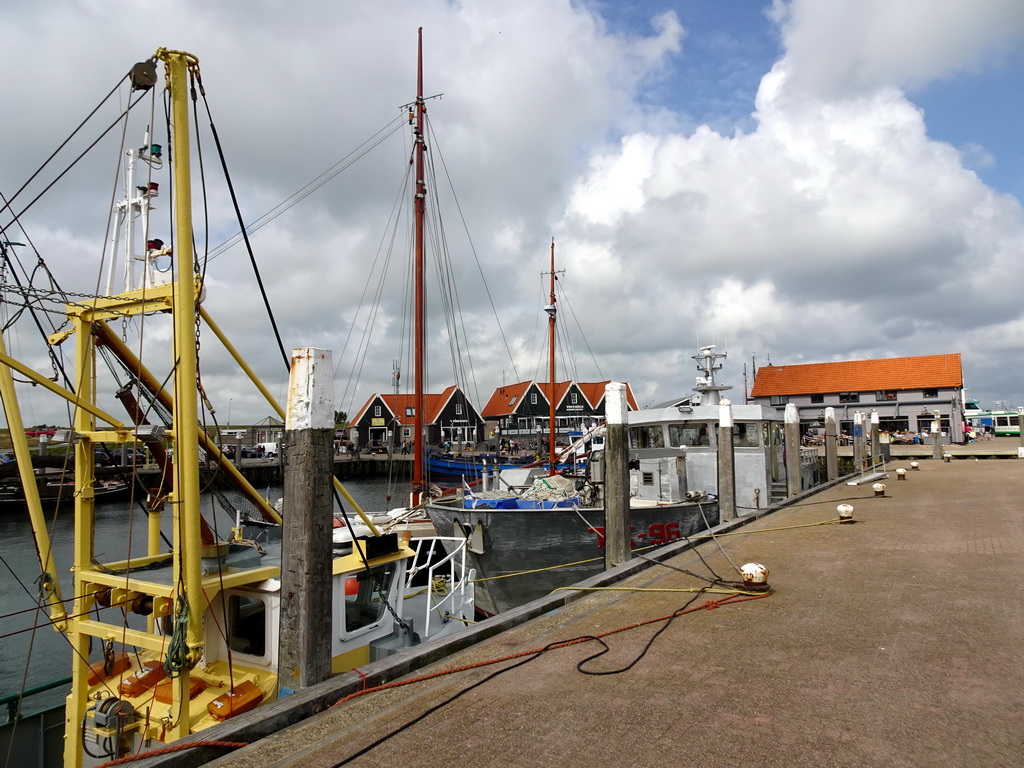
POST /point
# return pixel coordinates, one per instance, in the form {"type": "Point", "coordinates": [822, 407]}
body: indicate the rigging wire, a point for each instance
{"type": "Point", "coordinates": [563, 295]}
{"type": "Point", "coordinates": [8, 202]}
{"type": "Point", "coordinates": [17, 217]}
{"type": "Point", "coordinates": [241, 224]}
{"type": "Point", "coordinates": [312, 186]}
{"type": "Point", "coordinates": [476, 257]}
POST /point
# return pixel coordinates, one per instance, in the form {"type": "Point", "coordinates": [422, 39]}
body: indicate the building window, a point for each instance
{"type": "Point", "coordinates": [930, 393]}
{"type": "Point", "coordinates": [533, 398]}
{"type": "Point", "coordinates": [778, 400]}
{"type": "Point", "coordinates": [817, 399]}
{"type": "Point", "coordinates": [458, 409]}
{"type": "Point", "coordinates": [513, 400]}
{"type": "Point", "coordinates": [573, 398]}
{"type": "Point", "coordinates": [885, 394]}
{"type": "Point", "coordinates": [410, 410]}
{"type": "Point", "coordinates": [849, 397]}
{"type": "Point", "coordinates": [376, 411]}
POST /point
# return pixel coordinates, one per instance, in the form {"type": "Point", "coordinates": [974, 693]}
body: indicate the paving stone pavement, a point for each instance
{"type": "Point", "coordinates": [895, 641]}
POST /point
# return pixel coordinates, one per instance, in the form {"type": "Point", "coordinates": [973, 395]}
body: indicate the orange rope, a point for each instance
{"type": "Point", "coordinates": [174, 748]}
{"type": "Point", "coordinates": [709, 605]}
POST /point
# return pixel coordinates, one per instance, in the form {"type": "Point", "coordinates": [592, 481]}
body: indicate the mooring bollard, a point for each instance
{"type": "Point", "coordinates": [755, 577]}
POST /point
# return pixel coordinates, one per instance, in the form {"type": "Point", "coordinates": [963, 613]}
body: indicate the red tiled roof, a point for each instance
{"type": "Point", "coordinates": [924, 372]}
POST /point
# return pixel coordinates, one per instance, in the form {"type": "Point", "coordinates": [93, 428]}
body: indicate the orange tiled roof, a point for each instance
{"type": "Point", "coordinates": [924, 372]}
{"type": "Point", "coordinates": [432, 405]}
{"type": "Point", "coordinates": [594, 392]}
{"type": "Point", "coordinates": [500, 402]}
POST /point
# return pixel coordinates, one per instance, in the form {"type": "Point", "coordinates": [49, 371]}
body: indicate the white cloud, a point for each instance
{"type": "Point", "coordinates": [834, 228]}
{"type": "Point", "coordinates": [839, 49]}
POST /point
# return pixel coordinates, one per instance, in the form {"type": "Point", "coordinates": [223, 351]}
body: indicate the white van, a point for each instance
{"type": "Point", "coordinates": [270, 450]}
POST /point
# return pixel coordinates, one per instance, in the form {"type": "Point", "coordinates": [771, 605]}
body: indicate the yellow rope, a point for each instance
{"type": "Point", "coordinates": [743, 532]}
{"type": "Point", "coordinates": [658, 589]}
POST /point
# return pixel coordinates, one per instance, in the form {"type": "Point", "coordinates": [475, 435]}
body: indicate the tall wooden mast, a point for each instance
{"type": "Point", "coordinates": [420, 335]}
{"type": "Point", "coordinates": [552, 311]}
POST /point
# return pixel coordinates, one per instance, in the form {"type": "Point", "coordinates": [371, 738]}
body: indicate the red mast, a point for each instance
{"type": "Point", "coordinates": [420, 335]}
{"type": "Point", "coordinates": [550, 309]}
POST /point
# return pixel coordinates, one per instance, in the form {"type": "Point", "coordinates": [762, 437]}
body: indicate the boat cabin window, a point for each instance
{"type": "Point", "coordinates": [647, 437]}
{"type": "Point", "coordinates": [746, 435]}
{"type": "Point", "coordinates": [688, 435]}
{"type": "Point", "coordinates": [366, 595]}
{"type": "Point", "coordinates": [247, 625]}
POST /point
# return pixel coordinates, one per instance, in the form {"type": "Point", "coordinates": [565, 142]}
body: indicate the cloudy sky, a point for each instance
{"type": "Point", "coordinates": [794, 181]}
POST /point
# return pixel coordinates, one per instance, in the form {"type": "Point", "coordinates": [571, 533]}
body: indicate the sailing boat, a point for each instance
{"type": "Point", "coordinates": [185, 636]}
{"type": "Point", "coordinates": [525, 543]}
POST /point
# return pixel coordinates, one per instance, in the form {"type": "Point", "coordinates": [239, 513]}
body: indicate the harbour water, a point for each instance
{"type": "Point", "coordinates": [31, 652]}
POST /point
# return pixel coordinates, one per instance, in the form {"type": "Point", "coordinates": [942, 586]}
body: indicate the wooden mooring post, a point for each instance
{"type": "Point", "coordinates": [616, 477]}
{"type": "Point", "coordinates": [304, 657]}
{"type": "Point", "coordinates": [792, 437]}
{"type": "Point", "coordinates": [726, 464]}
{"type": "Point", "coordinates": [831, 445]}
{"type": "Point", "coordinates": [876, 448]}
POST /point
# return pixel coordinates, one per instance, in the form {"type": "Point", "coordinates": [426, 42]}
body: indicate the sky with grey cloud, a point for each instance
{"type": "Point", "coordinates": [797, 180]}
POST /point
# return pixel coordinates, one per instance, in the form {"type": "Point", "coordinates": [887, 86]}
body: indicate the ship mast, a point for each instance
{"type": "Point", "coordinates": [419, 338]}
{"type": "Point", "coordinates": [552, 311]}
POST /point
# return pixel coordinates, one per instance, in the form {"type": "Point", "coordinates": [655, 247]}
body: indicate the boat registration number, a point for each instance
{"type": "Point", "coordinates": [656, 534]}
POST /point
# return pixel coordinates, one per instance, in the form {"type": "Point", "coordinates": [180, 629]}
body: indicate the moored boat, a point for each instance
{"type": "Point", "coordinates": [522, 550]}
{"type": "Point", "coordinates": [186, 633]}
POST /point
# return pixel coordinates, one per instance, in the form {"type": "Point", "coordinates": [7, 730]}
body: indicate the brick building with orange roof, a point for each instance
{"type": "Point", "coordinates": [906, 392]}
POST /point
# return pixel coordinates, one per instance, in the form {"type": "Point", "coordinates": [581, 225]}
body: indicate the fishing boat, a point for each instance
{"type": "Point", "coordinates": [187, 633]}
{"type": "Point", "coordinates": [55, 483]}
{"type": "Point", "coordinates": [531, 535]}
